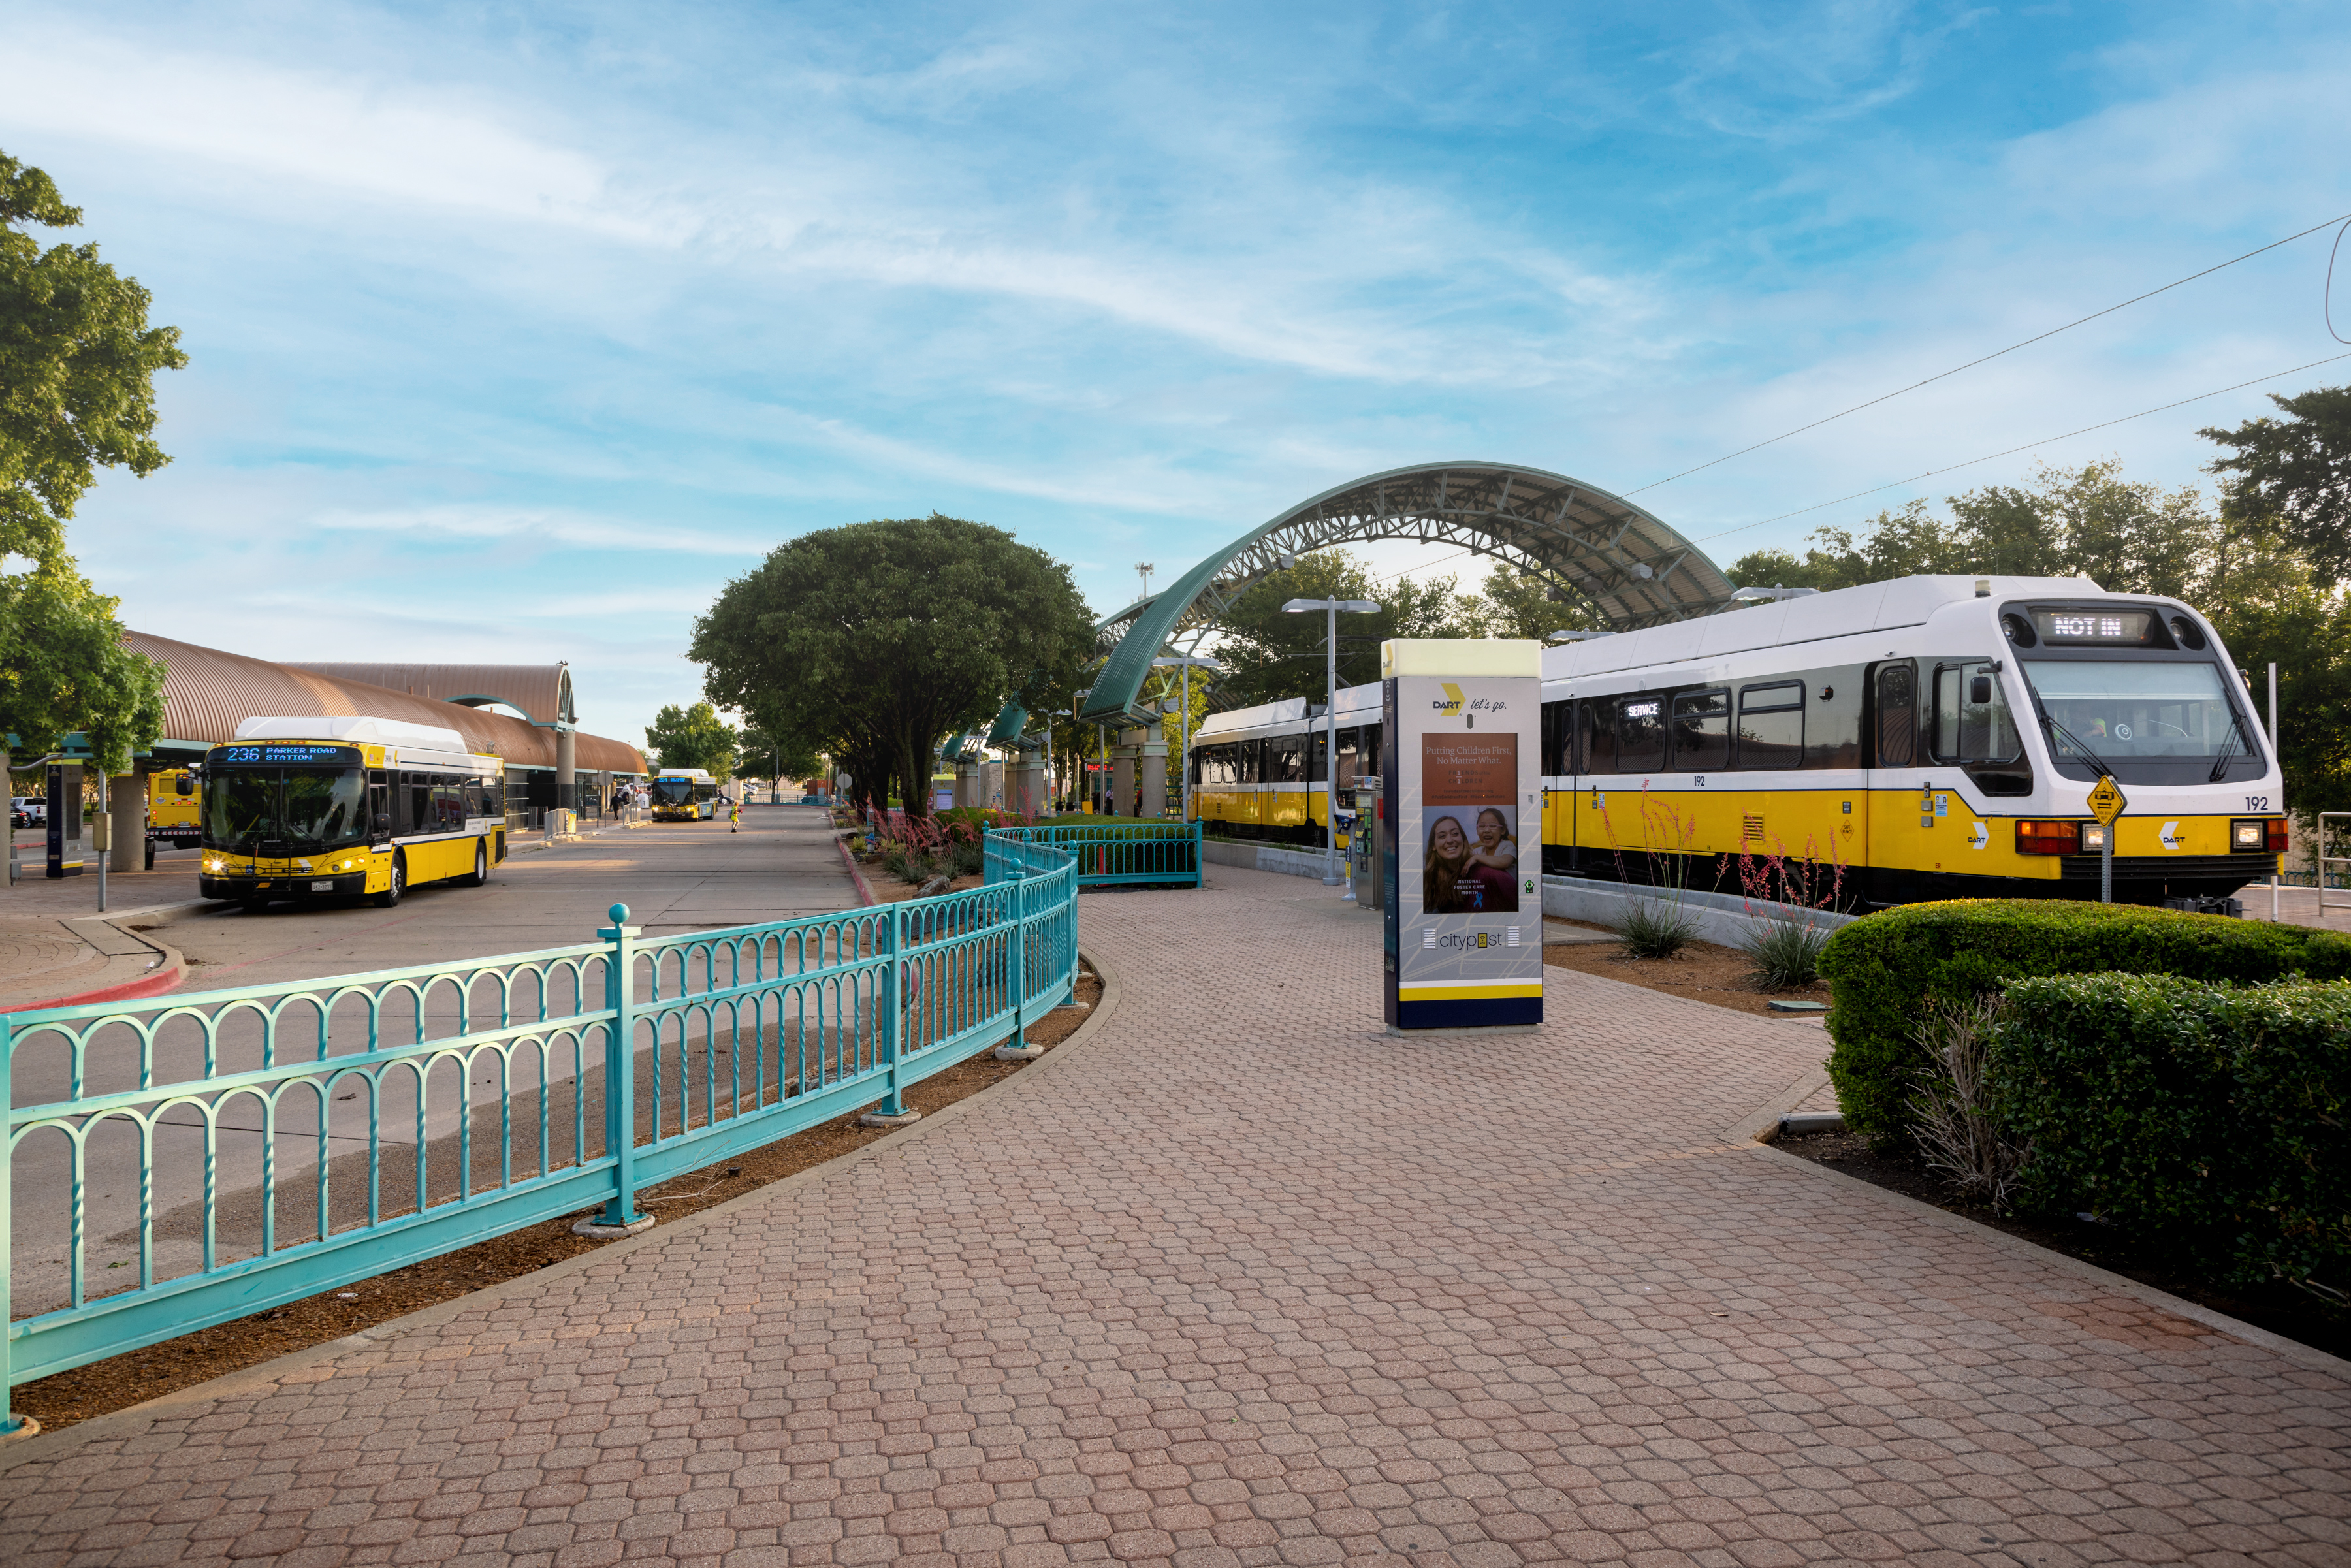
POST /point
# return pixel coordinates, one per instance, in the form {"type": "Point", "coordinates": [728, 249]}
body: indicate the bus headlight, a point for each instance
{"type": "Point", "coordinates": [214, 865]}
{"type": "Point", "coordinates": [2251, 835]}
{"type": "Point", "coordinates": [2094, 838]}
{"type": "Point", "coordinates": [2049, 838]}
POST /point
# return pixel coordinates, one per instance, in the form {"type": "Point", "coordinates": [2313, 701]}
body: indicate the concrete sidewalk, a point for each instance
{"type": "Point", "coordinates": [1236, 1278]}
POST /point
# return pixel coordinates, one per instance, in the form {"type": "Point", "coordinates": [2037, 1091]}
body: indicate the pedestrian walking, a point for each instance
{"type": "Point", "coordinates": [734, 816]}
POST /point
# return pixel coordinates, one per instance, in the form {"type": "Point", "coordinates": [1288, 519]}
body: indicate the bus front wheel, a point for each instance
{"type": "Point", "coordinates": [481, 865]}
{"type": "Point", "coordinates": [389, 897]}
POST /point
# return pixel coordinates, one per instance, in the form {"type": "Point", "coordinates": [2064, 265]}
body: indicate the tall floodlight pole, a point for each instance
{"type": "Point", "coordinates": [1330, 607]}
{"type": "Point", "coordinates": [1187, 664]}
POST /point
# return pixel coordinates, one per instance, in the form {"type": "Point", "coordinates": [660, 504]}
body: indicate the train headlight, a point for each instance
{"type": "Point", "coordinates": [2048, 837]}
{"type": "Point", "coordinates": [2251, 835]}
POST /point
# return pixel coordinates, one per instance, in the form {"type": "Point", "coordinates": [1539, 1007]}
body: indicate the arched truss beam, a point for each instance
{"type": "Point", "coordinates": [1615, 558]}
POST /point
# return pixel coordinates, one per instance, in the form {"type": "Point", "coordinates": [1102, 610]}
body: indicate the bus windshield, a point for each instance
{"type": "Point", "coordinates": [674, 791]}
{"type": "Point", "coordinates": [2164, 722]}
{"type": "Point", "coordinates": [306, 808]}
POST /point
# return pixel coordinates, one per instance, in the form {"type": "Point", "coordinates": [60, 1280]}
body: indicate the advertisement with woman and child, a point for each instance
{"type": "Point", "coordinates": [1465, 925]}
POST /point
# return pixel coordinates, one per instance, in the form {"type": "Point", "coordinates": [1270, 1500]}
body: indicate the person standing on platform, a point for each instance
{"type": "Point", "coordinates": [734, 816]}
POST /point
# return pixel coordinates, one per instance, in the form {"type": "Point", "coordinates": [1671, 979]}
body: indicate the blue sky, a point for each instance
{"type": "Point", "coordinates": [516, 331]}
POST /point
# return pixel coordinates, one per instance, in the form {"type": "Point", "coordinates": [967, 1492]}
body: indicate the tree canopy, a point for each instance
{"type": "Point", "coordinates": [78, 362]}
{"type": "Point", "coordinates": [2299, 471]}
{"type": "Point", "coordinates": [693, 737]}
{"type": "Point", "coordinates": [876, 641]}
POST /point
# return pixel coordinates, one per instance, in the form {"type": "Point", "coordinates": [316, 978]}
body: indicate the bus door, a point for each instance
{"type": "Point", "coordinates": [1891, 801]}
{"type": "Point", "coordinates": [379, 809]}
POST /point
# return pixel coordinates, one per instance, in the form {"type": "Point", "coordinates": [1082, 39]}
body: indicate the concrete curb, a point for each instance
{"type": "Point", "coordinates": [2292, 1350]}
{"type": "Point", "coordinates": [117, 1424]}
{"type": "Point", "coordinates": [167, 976]}
{"type": "Point", "coordinates": [864, 889]}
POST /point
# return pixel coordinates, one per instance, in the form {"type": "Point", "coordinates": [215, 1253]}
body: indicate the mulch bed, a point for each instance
{"type": "Point", "coordinates": [2281, 1309]}
{"type": "Point", "coordinates": [140, 1376]}
{"type": "Point", "coordinates": [1703, 971]}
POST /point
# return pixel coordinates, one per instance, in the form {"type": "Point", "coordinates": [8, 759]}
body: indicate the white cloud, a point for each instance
{"type": "Point", "coordinates": [482, 522]}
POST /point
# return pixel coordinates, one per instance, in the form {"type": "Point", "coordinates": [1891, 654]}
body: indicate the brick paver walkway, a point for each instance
{"type": "Point", "coordinates": [1240, 1280]}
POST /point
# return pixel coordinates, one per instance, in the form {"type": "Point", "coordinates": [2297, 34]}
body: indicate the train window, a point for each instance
{"type": "Point", "coordinates": [1558, 734]}
{"type": "Point", "coordinates": [1372, 750]}
{"type": "Point", "coordinates": [1599, 748]}
{"type": "Point", "coordinates": [1772, 724]}
{"type": "Point", "coordinates": [1285, 760]}
{"type": "Point", "coordinates": [1352, 764]}
{"type": "Point", "coordinates": [1317, 744]}
{"type": "Point", "coordinates": [1897, 717]}
{"type": "Point", "coordinates": [1972, 723]}
{"type": "Point", "coordinates": [1702, 732]}
{"type": "Point", "coordinates": [1245, 768]}
{"type": "Point", "coordinates": [1640, 734]}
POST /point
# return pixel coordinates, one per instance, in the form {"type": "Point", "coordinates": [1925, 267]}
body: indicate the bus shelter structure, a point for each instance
{"type": "Point", "coordinates": [208, 692]}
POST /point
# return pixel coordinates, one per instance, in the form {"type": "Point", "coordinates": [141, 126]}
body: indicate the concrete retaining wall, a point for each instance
{"type": "Point", "coordinates": [1267, 857]}
{"type": "Point", "coordinates": [1720, 916]}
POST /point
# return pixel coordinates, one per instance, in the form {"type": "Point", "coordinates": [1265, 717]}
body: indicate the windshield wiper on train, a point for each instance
{"type": "Point", "coordinates": [2228, 749]}
{"type": "Point", "coordinates": [2059, 731]}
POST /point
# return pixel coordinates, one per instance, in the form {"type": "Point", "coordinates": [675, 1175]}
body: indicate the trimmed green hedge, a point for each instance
{"type": "Point", "coordinates": [2214, 1119]}
{"type": "Point", "coordinates": [1883, 969]}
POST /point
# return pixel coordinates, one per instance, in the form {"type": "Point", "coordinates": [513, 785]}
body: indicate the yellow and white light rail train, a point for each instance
{"type": "Point", "coordinates": [1927, 738]}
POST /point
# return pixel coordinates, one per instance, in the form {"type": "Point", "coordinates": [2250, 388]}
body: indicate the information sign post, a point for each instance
{"type": "Point", "coordinates": [2106, 804]}
{"type": "Point", "coordinates": [1461, 858]}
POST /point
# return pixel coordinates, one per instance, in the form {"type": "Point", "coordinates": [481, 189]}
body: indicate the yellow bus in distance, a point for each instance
{"type": "Point", "coordinates": [683, 794]}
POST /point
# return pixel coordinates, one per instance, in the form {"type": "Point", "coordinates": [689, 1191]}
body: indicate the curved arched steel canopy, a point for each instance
{"type": "Point", "coordinates": [1618, 559]}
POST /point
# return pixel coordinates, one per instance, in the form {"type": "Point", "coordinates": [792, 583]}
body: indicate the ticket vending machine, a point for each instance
{"type": "Point", "coordinates": [1461, 777]}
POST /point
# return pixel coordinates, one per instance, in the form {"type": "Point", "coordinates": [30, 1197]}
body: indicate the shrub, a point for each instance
{"type": "Point", "coordinates": [1656, 928]}
{"type": "Point", "coordinates": [2214, 1119]}
{"type": "Point", "coordinates": [1783, 954]}
{"type": "Point", "coordinates": [1960, 1131]}
{"type": "Point", "coordinates": [1886, 969]}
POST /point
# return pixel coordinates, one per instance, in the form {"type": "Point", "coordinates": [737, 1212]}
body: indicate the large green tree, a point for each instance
{"type": "Point", "coordinates": [694, 737]}
{"type": "Point", "coordinates": [78, 362]}
{"type": "Point", "coordinates": [886, 637]}
{"type": "Point", "coordinates": [2298, 470]}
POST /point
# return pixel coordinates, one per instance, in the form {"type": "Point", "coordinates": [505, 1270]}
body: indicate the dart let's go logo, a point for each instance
{"type": "Point", "coordinates": [1453, 700]}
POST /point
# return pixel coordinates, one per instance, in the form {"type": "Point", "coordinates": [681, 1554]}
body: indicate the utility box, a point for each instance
{"type": "Point", "coordinates": [1462, 849]}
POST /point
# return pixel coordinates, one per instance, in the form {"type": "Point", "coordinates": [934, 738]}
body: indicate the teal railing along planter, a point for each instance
{"type": "Point", "coordinates": [1112, 852]}
{"type": "Point", "coordinates": [255, 1146]}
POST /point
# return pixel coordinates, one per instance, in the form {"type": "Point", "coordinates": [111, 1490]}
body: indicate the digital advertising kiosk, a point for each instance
{"type": "Point", "coordinates": [1461, 862]}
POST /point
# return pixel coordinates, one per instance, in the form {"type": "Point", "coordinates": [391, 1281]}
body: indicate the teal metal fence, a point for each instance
{"type": "Point", "coordinates": [1112, 852]}
{"type": "Point", "coordinates": [230, 1150]}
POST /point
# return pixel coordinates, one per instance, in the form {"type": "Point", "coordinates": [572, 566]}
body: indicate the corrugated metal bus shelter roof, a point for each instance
{"type": "Point", "coordinates": [208, 693]}
{"type": "Point", "coordinates": [542, 692]}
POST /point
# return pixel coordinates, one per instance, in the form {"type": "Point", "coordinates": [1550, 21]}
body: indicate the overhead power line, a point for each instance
{"type": "Point", "coordinates": [2010, 451]}
{"type": "Point", "coordinates": [1955, 370]}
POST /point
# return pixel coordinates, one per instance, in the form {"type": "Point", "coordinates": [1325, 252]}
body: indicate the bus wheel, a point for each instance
{"type": "Point", "coordinates": [481, 865]}
{"type": "Point", "coordinates": [389, 897]}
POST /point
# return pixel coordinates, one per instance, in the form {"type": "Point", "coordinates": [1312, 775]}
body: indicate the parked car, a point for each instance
{"type": "Point", "coordinates": [27, 811]}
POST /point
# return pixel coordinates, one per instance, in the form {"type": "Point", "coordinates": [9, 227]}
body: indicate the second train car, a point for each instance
{"type": "Point", "coordinates": [1925, 738]}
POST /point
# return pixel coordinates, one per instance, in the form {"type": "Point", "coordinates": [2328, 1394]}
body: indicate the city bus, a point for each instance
{"type": "Point", "coordinates": [171, 812]}
{"type": "Point", "coordinates": [683, 795]}
{"type": "Point", "coordinates": [1929, 737]}
{"type": "Point", "coordinates": [307, 808]}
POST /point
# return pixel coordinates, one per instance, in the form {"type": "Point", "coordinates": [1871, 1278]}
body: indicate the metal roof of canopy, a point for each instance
{"type": "Point", "coordinates": [1617, 558]}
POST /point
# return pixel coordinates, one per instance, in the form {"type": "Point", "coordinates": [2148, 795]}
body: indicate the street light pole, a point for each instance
{"type": "Point", "coordinates": [1330, 607]}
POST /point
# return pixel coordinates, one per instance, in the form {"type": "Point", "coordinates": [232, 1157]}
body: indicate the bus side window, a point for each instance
{"type": "Point", "coordinates": [1897, 717]}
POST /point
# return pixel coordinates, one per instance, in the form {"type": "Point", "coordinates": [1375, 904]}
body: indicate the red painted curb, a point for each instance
{"type": "Point", "coordinates": [864, 890]}
{"type": "Point", "coordinates": [153, 985]}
